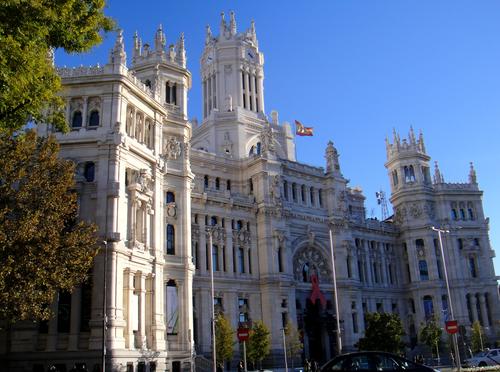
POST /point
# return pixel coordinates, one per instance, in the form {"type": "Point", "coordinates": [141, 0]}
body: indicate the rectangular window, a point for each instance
{"type": "Point", "coordinates": [241, 260]}
{"type": "Point", "coordinates": [354, 322]}
{"type": "Point", "coordinates": [170, 239]}
{"type": "Point", "coordinates": [215, 258]}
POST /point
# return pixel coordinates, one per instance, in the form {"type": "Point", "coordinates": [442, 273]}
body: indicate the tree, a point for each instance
{"type": "Point", "coordinates": [30, 30]}
{"type": "Point", "coordinates": [43, 247]}
{"type": "Point", "coordinates": [430, 335]}
{"type": "Point", "coordinates": [259, 343]}
{"type": "Point", "coordinates": [293, 343]}
{"type": "Point", "coordinates": [224, 342]}
{"type": "Point", "coordinates": [383, 333]}
{"type": "Point", "coordinates": [477, 337]}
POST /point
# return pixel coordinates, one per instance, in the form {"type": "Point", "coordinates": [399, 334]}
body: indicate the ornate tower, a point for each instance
{"type": "Point", "coordinates": [232, 70]}
{"type": "Point", "coordinates": [163, 70]}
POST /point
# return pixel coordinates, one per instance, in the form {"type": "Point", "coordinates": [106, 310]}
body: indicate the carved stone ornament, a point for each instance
{"type": "Point", "coordinates": [172, 148]}
{"type": "Point", "coordinates": [171, 210]}
{"type": "Point", "coordinates": [314, 262]}
{"type": "Point", "coordinates": [267, 139]}
{"type": "Point", "coordinates": [415, 210]}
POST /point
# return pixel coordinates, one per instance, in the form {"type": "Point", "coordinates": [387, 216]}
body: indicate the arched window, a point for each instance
{"type": "Point", "coordinates": [239, 225]}
{"type": "Point", "coordinates": [395, 180]}
{"type": "Point", "coordinates": [94, 119]}
{"type": "Point", "coordinates": [217, 183]}
{"type": "Point", "coordinates": [170, 197]}
{"type": "Point", "coordinates": [311, 195]}
{"type": "Point", "coordinates": [320, 197]}
{"type": "Point", "coordinates": [170, 241]}
{"type": "Point", "coordinates": [76, 121]}
{"type": "Point", "coordinates": [424, 271]}
{"type": "Point", "coordinates": [409, 173]}
{"type": "Point", "coordinates": [228, 185]}
{"type": "Point", "coordinates": [294, 192]}
{"type": "Point", "coordinates": [471, 214]}
{"type": "Point", "coordinates": [251, 151]}
{"type": "Point", "coordinates": [285, 190]}
{"type": "Point", "coordinates": [305, 272]}
{"type": "Point", "coordinates": [205, 182]}
{"type": "Point", "coordinates": [303, 193]}
{"type": "Point", "coordinates": [280, 259]}
{"type": "Point", "coordinates": [89, 171]}
{"type": "Point", "coordinates": [428, 307]}
{"type": "Point", "coordinates": [213, 221]}
{"type": "Point", "coordinates": [472, 267]}
{"type": "Point", "coordinates": [215, 257]}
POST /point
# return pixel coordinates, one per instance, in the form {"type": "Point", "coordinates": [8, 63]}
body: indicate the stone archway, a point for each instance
{"type": "Point", "coordinates": [315, 317]}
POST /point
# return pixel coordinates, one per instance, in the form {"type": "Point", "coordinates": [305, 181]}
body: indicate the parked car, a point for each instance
{"type": "Point", "coordinates": [373, 361]}
{"type": "Point", "coordinates": [485, 358]}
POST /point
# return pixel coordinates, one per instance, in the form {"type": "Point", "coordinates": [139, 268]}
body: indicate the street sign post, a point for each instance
{"type": "Point", "coordinates": [243, 335]}
{"type": "Point", "coordinates": [451, 326]}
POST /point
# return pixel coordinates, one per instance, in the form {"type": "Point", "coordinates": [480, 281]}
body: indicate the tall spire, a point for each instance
{"type": "Point", "coordinates": [438, 177]}
{"type": "Point", "coordinates": [421, 142]}
{"type": "Point", "coordinates": [181, 51]}
{"type": "Point", "coordinates": [160, 39]}
{"type": "Point", "coordinates": [118, 55]}
{"type": "Point", "coordinates": [412, 136]}
{"type": "Point", "coordinates": [137, 47]}
{"type": "Point", "coordinates": [472, 174]}
{"type": "Point", "coordinates": [232, 24]}
{"type": "Point", "coordinates": [208, 35]}
{"type": "Point", "coordinates": [222, 24]}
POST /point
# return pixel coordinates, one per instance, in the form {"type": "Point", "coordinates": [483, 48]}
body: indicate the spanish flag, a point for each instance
{"type": "Point", "coordinates": [300, 130]}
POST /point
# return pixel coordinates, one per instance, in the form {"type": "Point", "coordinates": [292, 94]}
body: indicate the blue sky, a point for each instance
{"type": "Point", "coordinates": [354, 70]}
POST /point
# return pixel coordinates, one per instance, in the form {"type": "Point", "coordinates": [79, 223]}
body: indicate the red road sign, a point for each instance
{"type": "Point", "coordinates": [451, 326]}
{"type": "Point", "coordinates": [243, 334]}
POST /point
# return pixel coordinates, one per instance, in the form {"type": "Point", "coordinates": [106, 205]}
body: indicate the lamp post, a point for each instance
{"type": "Point", "coordinates": [210, 231]}
{"type": "Point", "coordinates": [284, 349]}
{"type": "Point", "coordinates": [339, 337]}
{"type": "Point", "coordinates": [450, 303]}
{"type": "Point", "coordinates": [104, 307]}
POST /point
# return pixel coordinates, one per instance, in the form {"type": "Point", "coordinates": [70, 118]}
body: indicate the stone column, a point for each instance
{"type": "Point", "coordinates": [202, 246]}
{"type": "Point", "coordinates": [247, 93]}
{"type": "Point", "coordinates": [52, 327]}
{"type": "Point", "coordinates": [84, 113]}
{"type": "Point", "coordinates": [260, 83]}
{"type": "Point", "coordinates": [141, 334]}
{"type": "Point", "coordinates": [229, 248]}
{"type": "Point", "coordinates": [129, 311]}
{"type": "Point", "coordinates": [252, 87]}
{"type": "Point", "coordinates": [238, 101]}
{"type": "Point", "coordinates": [76, 299]}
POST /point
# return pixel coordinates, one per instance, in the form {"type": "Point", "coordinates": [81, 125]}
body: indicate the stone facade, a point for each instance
{"type": "Point", "coordinates": [154, 182]}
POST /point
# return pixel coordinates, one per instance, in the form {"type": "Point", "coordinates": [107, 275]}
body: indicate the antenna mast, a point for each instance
{"type": "Point", "coordinates": [382, 201]}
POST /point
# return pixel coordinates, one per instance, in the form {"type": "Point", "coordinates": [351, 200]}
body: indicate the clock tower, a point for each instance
{"type": "Point", "coordinates": [232, 70]}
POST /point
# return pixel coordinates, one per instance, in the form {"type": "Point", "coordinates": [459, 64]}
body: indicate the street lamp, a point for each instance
{"type": "Point", "coordinates": [339, 337]}
{"type": "Point", "coordinates": [104, 308]}
{"type": "Point", "coordinates": [210, 231]}
{"type": "Point", "coordinates": [450, 304]}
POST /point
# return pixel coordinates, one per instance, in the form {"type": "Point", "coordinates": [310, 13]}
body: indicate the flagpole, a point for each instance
{"type": "Point", "coordinates": [337, 316]}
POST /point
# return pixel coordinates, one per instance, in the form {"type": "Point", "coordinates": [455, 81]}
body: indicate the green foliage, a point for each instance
{"type": "Point", "coordinates": [43, 248]}
{"type": "Point", "coordinates": [29, 31]}
{"type": "Point", "coordinates": [293, 344]}
{"type": "Point", "coordinates": [259, 342]}
{"type": "Point", "coordinates": [430, 335]}
{"type": "Point", "coordinates": [477, 337]}
{"type": "Point", "coordinates": [383, 333]}
{"type": "Point", "coordinates": [224, 335]}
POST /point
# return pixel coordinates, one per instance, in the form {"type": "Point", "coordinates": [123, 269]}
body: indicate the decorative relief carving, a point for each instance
{"type": "Point", "coordinates": [267, 140]}
{"type": "Point", "coordinates": [311, 261]}
{"type": "Point", "coordinates": [172, 148]}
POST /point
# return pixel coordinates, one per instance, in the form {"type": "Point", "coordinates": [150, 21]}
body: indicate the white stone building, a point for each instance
{"type": "Point", "coordinates": [154, 182]}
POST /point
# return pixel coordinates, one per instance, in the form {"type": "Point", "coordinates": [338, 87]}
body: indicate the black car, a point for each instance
{"type": "Point", "coordinates": [373, 361]}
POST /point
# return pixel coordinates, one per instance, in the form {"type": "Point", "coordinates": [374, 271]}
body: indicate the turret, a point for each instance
{"type": "Point", "coordinates": [163, 70]}
{"type": "Point", "coordinates": [117, 54]}
{"type": "Point", "coordinates": [407, 162]}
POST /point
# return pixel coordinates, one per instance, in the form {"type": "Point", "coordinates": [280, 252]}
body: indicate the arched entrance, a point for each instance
{"type": "Point", "coordinates": [315, 313]}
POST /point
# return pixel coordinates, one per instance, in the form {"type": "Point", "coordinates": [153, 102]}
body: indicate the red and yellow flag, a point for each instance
{"type": "Point", "coordinates": [301, 130]}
